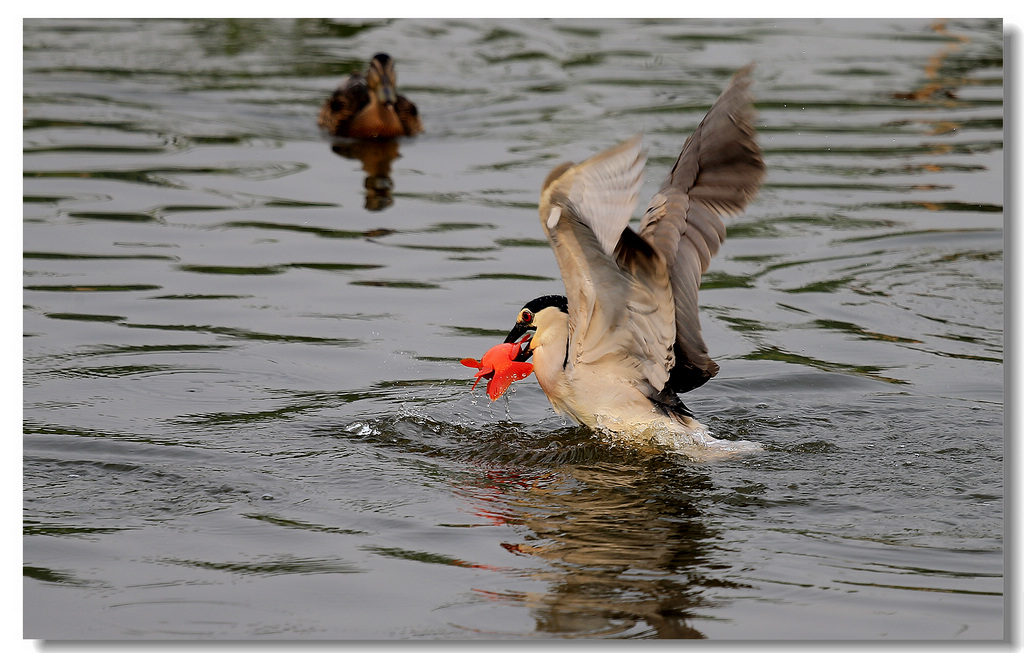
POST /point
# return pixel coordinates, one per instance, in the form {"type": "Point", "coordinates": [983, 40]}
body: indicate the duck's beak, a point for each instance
{"type": "Point", "coordinates": [387, 92]}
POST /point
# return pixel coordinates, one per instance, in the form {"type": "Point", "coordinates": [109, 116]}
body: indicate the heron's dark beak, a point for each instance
{"type": "Point", "coordinates": [524, 346]}
{"type": "Point", "coordinates": [517, 332]}
{"type": "Point", "coordinates": [525, 351]}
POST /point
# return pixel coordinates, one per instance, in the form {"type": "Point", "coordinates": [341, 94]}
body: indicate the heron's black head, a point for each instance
{"type": "Point", "coordinates": [524, 321]}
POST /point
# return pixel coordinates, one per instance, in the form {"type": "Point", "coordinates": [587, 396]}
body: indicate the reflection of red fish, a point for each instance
{"type": "Point", "coordinates": [500, 367]}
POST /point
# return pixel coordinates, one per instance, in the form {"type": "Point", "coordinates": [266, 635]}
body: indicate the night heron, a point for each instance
{"type": "Point", "coordinates": [616, 350]}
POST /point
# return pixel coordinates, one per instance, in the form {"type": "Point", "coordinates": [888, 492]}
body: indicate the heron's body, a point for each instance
{"type": "Point", "coordinates": [616, 351]}
{"type": "Point", "coordinates": [369, 106]}
{"type": "Point", "coordinates": [603, 398]}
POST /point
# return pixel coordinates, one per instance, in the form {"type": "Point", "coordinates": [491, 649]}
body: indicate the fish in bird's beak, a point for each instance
{"type": "Point", "coordinates": [517, 331]}
{"type": "Point", "coordinates": [501, 365]}
{"type": "Point", "coordinates": [525, 320]}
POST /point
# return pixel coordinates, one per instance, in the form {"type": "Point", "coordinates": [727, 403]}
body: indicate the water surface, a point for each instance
{"type": "Point", "coordinates": [244, 416]}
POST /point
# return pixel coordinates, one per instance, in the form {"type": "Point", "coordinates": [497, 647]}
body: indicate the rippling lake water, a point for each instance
{"type": "Point", "coordinates": [244, 416]}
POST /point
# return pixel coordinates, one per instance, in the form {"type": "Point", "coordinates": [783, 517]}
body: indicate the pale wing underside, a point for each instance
{"type": "Point", "coordinates": [717, 173]}
{"type": "Point", "coordinates": [618, 288]}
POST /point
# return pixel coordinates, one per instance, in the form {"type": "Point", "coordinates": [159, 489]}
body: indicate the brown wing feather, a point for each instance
{"type": "Point", "coordinates": [338, 111]}
{"type": "Point", "coordinates": [717, 173]}
{"type": "Point", "coordinates": [409, 116]}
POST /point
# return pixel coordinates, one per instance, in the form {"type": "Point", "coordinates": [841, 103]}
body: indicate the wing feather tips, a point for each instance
{"type": "Point", "coordinates": [609, 186]}
{"type": "Point", "coordinates": [687, 375]}
{"type": "Point", "coordinates": [600, 193]}
{"type": "Point", "coordinates": [721, 162]}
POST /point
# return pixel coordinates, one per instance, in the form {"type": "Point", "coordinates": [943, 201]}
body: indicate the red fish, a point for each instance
{"type": "Point", "coordinates": [500, 367]}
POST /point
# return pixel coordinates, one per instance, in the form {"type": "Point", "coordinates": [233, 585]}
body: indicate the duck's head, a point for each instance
{"type": "Point", "coordinates": [535, 316]}
{"type": "Point", "coordinates": [381, 78]}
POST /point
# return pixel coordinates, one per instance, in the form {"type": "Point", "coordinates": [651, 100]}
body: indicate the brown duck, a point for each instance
{"type": "Point", "coordinates": [370, 106]}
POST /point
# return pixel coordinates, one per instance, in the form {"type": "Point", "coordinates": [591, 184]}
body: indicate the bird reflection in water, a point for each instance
{"type": "Point", "coordinates": [624, 546]}
{"type": "Point", "coordinates": [376, 157]}
{"type": "Point", "coordinates": [369, 109]}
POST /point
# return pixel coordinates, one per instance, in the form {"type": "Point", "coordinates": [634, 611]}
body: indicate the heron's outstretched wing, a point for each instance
{"type": "Point", "coordinates": [717, 173]}
{"type": "Point", "coordinates": [618, 288]}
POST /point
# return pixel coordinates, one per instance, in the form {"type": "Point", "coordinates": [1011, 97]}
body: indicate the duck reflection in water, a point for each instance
{"type": "Point", "coordinates": [625, 548]}
{"type": "Point", "coordinates": [376, 157]}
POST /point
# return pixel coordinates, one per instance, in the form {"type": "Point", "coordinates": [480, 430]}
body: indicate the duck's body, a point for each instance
{"type": "Point", "coordinates": [369, 106]}
{"type": "Point", "coordinates": [614, 353]}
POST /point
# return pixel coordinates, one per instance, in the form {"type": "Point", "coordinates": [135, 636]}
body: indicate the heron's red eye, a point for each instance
{"type": "Point", "coordinates": [525, 316]}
